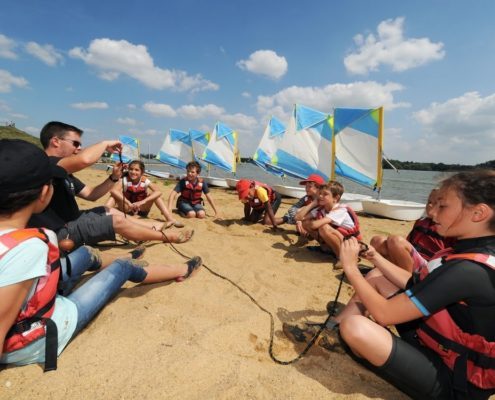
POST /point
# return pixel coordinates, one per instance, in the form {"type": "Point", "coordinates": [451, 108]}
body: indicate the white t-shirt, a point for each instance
{"type": "Point", "coordinates": [28, 260]}
{"type": "Point", "coordinates": [339, 216]}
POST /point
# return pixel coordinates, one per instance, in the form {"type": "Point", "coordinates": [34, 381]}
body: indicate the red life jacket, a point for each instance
{"type": "Point", "coordinates": [35, 316]}
{"type": "Point", "coordinates": [346, 232]}
{"type": "Point", "coordinates": [255, 202]}
{"type": "Point", "coordinates": [135, 192]}
{"type": "Point", "coordinates": [470, 356]}
{"type": "Point", "coordinates": [426, 240]}
{"type": "Point", "coordinates": [192, 192]}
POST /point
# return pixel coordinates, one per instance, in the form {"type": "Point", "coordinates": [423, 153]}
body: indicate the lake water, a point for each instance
{"type": "Point", "coordinates": [405, 185]}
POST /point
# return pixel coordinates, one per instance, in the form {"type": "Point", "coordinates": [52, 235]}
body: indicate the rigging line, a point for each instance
{"type": "Point", "coordinates": [272, 320]}
{"type": "Point", "coordinates": [122, 179]}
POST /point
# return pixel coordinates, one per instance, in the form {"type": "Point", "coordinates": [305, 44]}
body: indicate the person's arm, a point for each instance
{"type": "Point", "coordinates": [116, 193]}
{"type": "Point", "coordinates": [12, 298]}
{"type": "Point", "coordinates": [247, 211]}
{"type": "Point", "coordinates": [212, 203]}
{"type": "Point", "coordinates": [94, 193]}
{"type": "Point", "coordinates": [155, 194]}
{"type": "Point", "coordinates": [302, 213]}
{"type": "Point", "coordinates": [391, 311]}
{"type": "Point", "coordinates": [271, 215]}
{"type": "Point", "coordinates": [398, 276]}
{"type": "Point", "coordinates": [171, 198]}
{"type": "Point", "coordinates": [88, 156]}
{"type": "Point", "coordinates": [315, 224]}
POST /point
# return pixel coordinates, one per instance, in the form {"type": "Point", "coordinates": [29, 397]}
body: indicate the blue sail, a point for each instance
{"type": "Point", "coordinates": [358, 135]}
{"type": "Point", "coordinates": [176, 149]}
{"type": "Point", "coordinates": [306, 146]}
{"type": "Point", "coordinates": [267, 147]}
{"type": "Point", "coordinates": [130, 150]}
{"type": "Point", "coordinates": [221, 150]}
{"type": "Point", "coordinates": [199, 141]}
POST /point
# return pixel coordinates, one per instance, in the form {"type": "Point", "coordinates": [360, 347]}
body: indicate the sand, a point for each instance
{"type": "Point", "coordinates": [203, 338]}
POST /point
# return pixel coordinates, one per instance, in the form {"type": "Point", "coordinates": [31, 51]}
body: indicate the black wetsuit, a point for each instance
{"type": "Point", "coordinates": [417, 370]}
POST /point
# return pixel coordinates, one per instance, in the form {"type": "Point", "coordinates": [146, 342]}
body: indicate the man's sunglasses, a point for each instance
{"type": "Point", "coordinates": [75, 143]}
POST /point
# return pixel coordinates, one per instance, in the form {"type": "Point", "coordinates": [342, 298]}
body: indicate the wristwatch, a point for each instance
{"type": "Point", "coordinates": [112, 179]}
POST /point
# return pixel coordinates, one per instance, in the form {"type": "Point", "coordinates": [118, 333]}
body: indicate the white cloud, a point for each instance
{"type": "Point", "coordinates": [32, 130]}
{"type": "Point", "coordinates": [159, 110]}
{"type": "Point", "coordinates": [111, 58]}
{"type": "Point", "coordinates": [131, 106]}
{"type": "Point", "coordinates": [392, 49]}
{"type": "Point", "coordinates": [127, 121]}
{"type": "Point", "coordinates": [368, 94]}
{"type": "Point", "coordinates": [246, 95]}
{"type": "Point", "coordinates": [45, 53]}
{"type": "Point", "coordinates": [97, 105]}
{"type": "Point", "coordinates": [265, 62]}
{"type": "Point", "coordinates": [18, 116]}
{"type": "Point", "coordinates": [7, 47]}
{"type": "Point", "coordinates": [190, 111]}
{"type": "Point", "coordinates": [7, 81]}
{"type": "Point", "coordinates": [461, 129]}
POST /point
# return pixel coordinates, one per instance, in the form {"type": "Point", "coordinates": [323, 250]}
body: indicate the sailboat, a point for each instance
{"type": "Point", "coordinates": [176, 151]}
{"type": "Point", "coordinates": [304, 148]}
{"type": "Point", "coordinates": [130, 150]}
{"type": "Point", "coordinates": [357, 153]}
{"type": "Point", "coordinates": [199, 141]}
{"type": "Point", "coordinates": [221, 152]}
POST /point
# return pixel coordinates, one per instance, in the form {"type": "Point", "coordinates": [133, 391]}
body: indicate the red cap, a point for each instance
{"type": "Point", "coordinates": [315, 178]}
{"type": "Point", "coordinates": [242, 188]}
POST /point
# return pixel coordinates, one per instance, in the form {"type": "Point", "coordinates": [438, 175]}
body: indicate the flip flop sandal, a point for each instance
{"type": "Point", "coordinates": [182, 236]}
{"type": "Point", "coordinates": [175, 224]}
{"type": "Point", "coordinates": [192, 267]}
{"type": "Point", "coordinates": [138, 252]}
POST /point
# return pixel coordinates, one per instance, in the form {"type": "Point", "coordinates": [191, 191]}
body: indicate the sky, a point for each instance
{"type": "Point", "coordinates": [140, 68]}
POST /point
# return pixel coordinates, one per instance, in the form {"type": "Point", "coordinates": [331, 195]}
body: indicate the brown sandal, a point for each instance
{"type": "Point", "coordinates": [181, 237]}
{"type": "Point", "coordinates": [192, 267]}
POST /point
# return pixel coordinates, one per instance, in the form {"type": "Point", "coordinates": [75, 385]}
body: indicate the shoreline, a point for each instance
{"type": "Point", "coordinates": [204, 338]}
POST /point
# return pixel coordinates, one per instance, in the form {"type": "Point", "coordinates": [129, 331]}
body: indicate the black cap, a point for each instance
{"type": "Point", "coordinates": [23, 166]}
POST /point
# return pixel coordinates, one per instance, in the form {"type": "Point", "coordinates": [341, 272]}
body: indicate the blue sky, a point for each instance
{"type": "Point", "coordinates": [142, 67]}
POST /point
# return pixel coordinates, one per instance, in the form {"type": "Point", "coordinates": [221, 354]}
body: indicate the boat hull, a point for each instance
{"type": "Point", "coordinates": [231, 182]}
{"type": "Point", "coordinates": [354, 200]}
{"type": "Point", "coordinates": [213, 181]}
{"type": "Point", "coordinates": [394, 209]}
{"type": "Point", "coordinates": [290, 191]}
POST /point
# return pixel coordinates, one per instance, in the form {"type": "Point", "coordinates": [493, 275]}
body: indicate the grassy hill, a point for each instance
{"type": "Point", "coordinates": [7, 132]}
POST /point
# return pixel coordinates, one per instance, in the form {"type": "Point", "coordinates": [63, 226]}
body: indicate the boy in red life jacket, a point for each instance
{"type": "Point", "coordinates": [421, 243]}
{"type": "Point", "coordinates": [190, 190]}
{"type": "Point", "coordinates": [137, 200]}
{"type": "Point", "coordinates": [312, 186]}
{"type": "Point", "coordinates": [260, 201]}
{"type": "Point", "coordinates": [326, 220]}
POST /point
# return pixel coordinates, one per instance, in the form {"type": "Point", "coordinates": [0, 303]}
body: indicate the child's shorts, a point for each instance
{"type": "Point", "coordinates": [184, 207]}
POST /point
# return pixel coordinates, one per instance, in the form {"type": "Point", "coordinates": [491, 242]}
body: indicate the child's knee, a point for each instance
{"type": "Point", "coordinates": [200, 214]}
{"type": "Point", "coordinates": [191, 214]}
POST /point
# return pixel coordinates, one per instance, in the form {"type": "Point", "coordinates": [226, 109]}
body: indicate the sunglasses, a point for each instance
{"type": "Point", "coordinates": [75, 143]}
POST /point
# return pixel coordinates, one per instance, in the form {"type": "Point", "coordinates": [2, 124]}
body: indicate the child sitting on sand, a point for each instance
{"type": "Point", "coordinates": [423, 240]}
{"type": "Point", "coordinates": [136, 199]}
{"type": "Point", "coordinates": [190, 190]}
{"type": "Point", "coordinates": [260, 201]}
{"type": "Point", "coordinates": [312, 185]}
{"type": "Point", "coordinates": [35, 322]}
{"type": "Point", "coordinates": [326, 220]}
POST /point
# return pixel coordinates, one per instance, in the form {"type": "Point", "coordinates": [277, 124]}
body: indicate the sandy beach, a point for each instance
{"type": "Point", "coordinates": [203, 338]}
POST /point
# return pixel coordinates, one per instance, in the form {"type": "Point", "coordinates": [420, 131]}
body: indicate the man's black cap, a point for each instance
{"type": "Point", "coordinates": [23, 166]}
